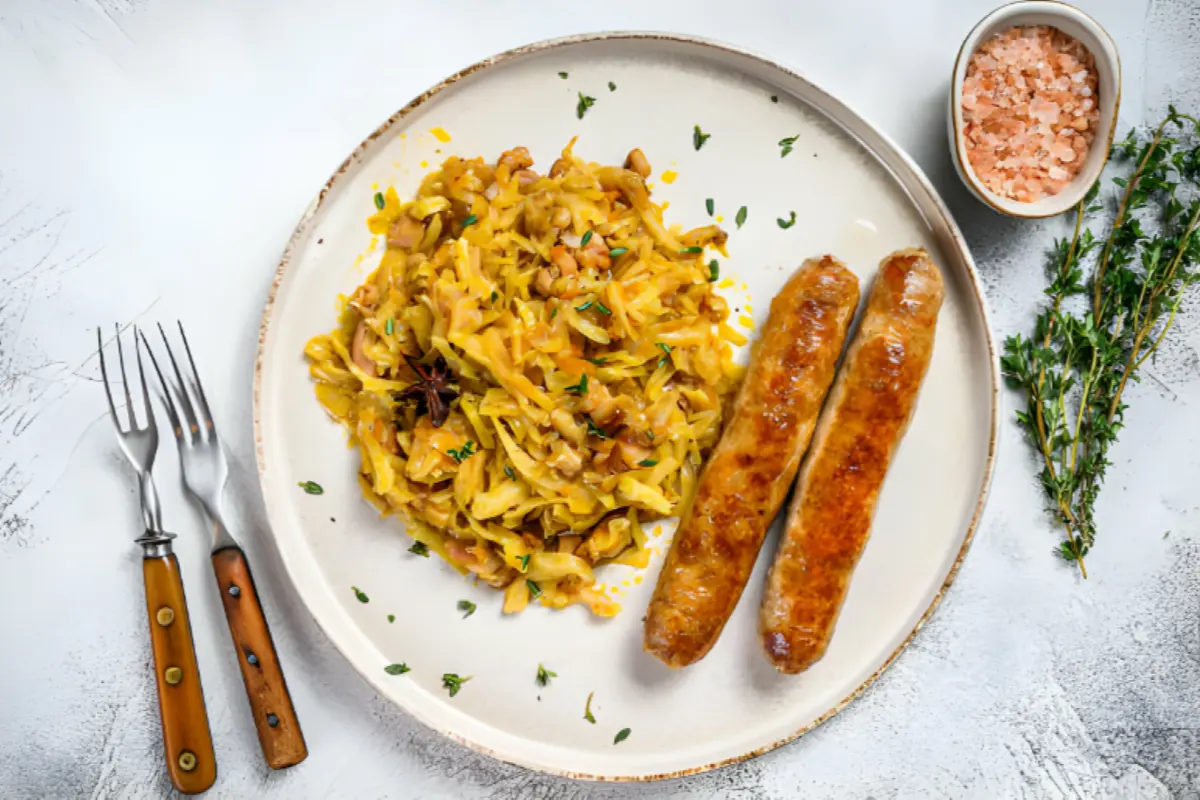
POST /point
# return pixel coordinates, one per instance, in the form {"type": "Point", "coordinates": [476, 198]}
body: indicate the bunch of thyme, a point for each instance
{"type": "Point", "coordinates": [1096, 331]}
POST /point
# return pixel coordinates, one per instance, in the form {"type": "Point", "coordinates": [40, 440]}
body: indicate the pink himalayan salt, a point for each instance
{"type": "Point", "coordinates": [1029, 111]}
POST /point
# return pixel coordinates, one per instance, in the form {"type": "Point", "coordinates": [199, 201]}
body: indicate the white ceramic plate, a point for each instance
{"type": "Point", "coordinates": [855, 195]}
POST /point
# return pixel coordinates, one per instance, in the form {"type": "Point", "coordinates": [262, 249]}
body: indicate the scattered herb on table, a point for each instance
{"type": "Point", "coordinates": [709, 206]}
{"type": "Point", "coordinates": [544, 675]}
{"type": "Point", "coordinates": [379, 200]}
{"type": "Point", "coordinates": [587, 709]}
{"type": "Point", "coordinates": [740, 219]}
{"type": "Point", "coordinates": [583, 105]}
{"type": "Point", "coordinates": [1076, 366]}
{"type": "Point", "coordinates": [714, 270]}
{"type": "Point", "coordinates": [419, 549]}
{"type": "Point", "coordinates": [787, 223]}
{"type": "Point", "coordinates": [787, 145]}
{"type": "Point", "coordinates": [453, 682]}
{"type": "Point", "coordinates": [621, 736]}
{"type": "Point", "coordinates": [461, 454]}
{"type": "Point", "coordinates": [397, 669]}
{"type": "Point", "coordinates": [563, 75]}
{"type": "Point", "coordinates": [699, 137]}
{"type": "Point", "coordinates": [358, 593]}
{"type": "Point", "coordinates": [612, 87]}
{"type": "Point", "coordinates": [311, 487]}
{"type": "Point", "coordinates": [391, 617]}
{"type": "Point", "coordinates": [774, 98]}
{"type": "Point", "coordinates": [466, 607]}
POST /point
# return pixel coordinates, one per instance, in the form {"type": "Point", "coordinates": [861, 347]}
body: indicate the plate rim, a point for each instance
{"type": "Point", "coordinates": [916, 173]}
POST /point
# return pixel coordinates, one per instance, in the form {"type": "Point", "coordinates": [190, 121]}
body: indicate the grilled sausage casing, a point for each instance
{"type": "Point", "coordinates": [751, 468]}
{"type": "Point", "coordinates": [862, 424]}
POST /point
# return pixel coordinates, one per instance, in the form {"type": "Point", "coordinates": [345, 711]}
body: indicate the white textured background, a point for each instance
{"type": "Point", "coordinates": [154, 157]}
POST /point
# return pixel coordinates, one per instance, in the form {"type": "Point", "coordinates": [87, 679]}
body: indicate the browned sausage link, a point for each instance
{"type": "Point", "coordinates": [860, 428]}
{"type": "Point", "coordinates": [753, 465]}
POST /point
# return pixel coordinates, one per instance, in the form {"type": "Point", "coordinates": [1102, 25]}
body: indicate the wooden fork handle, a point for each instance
{"type": "Point", "coordinates": [274, 716]}
{"type": "Point", "coordinates": [191, 763]}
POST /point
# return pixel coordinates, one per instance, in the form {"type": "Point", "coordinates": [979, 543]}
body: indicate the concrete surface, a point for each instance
{"type": "Point", "coordinates": [155, 155]}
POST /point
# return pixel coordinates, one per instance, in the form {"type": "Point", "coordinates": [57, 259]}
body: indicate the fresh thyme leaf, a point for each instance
{"type": "Point", "coordinates": [452, 682]}
{"type": "Point", "coordinates": [774, 98]}
{"type": "Point", "coordinates": [599, 362]}
{"type": "Point", "coordinates": [593, 428]}
{"type": "Point", "coordinates": [389, 326]}
{"type": "Point", "coordinates": [563, 75]}
{"type": "Point", "coordinates": [397, 669]}
{"type": "Point", "coordinates": [740, 219]}
{"type": "Point", "coordinates": [584, 104]}
{"type": "Point", "coordinates": [587, 237]}
{"type": "Point", "coordinates": [359, 595]}
{"type": "Point", "coordinates": [709, 206]}
{"type": "Point", "coordinates": [554, 312]}
{"type": "Point", "coordinates": [419, 549]}
{"type": "Point", "coordinates": [603, 309]}
{"type": "Point", "coordinates": [470, 220]}
{"type": "Point", "coordinates": [495, 295]}
{"type": "Point", "coordinates": [462, 453]}
{"type": "Point", "coordinates": [1075, 367]}
{"type": "Point", "coordinates": [612, 87]}
{"type": "Point", "coordinates": [785, 224]}
{"type": "Point", "coordinates": [621, 736]}
{"type": "Point", "coordinates": [311, 487]}
{"type": "Point", "coordinates": [617, 252]}
{"type": "Point", "coordinates": [512, 476]}
{"type": "Point", "coordinates": [714, 270]}
{"type": "Point", "coordinates": [535, 591]}
{"type": "Point", "coordinates": [544, 675]}
{"type": "Point", "coordinates": [693, 249]}
{"type": "Point", "coordinates": [649, 462]}
{"type": "Point", "coordinates": [466, 607]}
{"type": "Point", "coordinates": [584, 306]}
{"type": "Point", "coordinates": [587, 709]}
{"type": "Point", "coordinates": [787, 145]}
{"type": "Point", "coordinates": [666, 348]}
{"type": "Point", "coordinates": [581, 387]}
{"type": "Point", "coordinates": [699, 137]}
{"type": "Point", "coordinates": [379, 200]}
{"type": "Point", "coordinates": [524, 562]}
{"type": "Point", "coordinates": [391, 617]}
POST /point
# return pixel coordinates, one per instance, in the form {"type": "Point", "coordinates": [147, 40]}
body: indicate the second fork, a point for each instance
{"type": "Point", "coordinates": [204, 474]}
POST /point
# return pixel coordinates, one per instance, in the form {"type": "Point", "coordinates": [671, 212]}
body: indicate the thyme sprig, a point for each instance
{"type": "Point", "coordinates": [1097, 331]}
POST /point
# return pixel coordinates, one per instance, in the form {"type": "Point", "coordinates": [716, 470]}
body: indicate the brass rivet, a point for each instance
{"type": "Point", "coordinates": [187, 761]}
{"type": "Point", "coordinates": [165, 616]}
{"type": "Point", "coordinates": [173, 675]}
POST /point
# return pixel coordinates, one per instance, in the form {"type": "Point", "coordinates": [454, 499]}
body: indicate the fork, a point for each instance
{"type": "Point", "coordinates": [204, 474]}
{"type": "Point", "coordinates": [191, 764]}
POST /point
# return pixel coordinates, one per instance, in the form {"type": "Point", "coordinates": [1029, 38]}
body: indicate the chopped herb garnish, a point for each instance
{"type": "Point", "coordinates": [714, 270]}
{"type": "Point", "coordinates": [562, 75]}
{"type": "Point", "coordinates": [584, 307]}
{"type": "Point", "coordinates": [593, 428]}
{"type": "Point", "coordinates": [692, 249]}
{"type": "Point", "coordinates": [391, 617]}
{"type": "Point", "coordinates": [741, 216]}
{"type": "Point", "coordinates": [544, 675]}
{"type": "Point", "coordinates": [612, 87]}
{"type": "Point", "coordinates": [581, 387]}
{"type": "Point", "coordinates": [617, 252]}
{"type": "Point", "coordinates": [453, 682]}
{"type": "Point", "coordinates": [397, 669]}
{"type": "Point", "coordinates": [785, 224]}
{"type": "Point", "coordinates": [650, 435]}
{"type": "Point", "coordinates": [554, 312]}
{"type": "Point", "coordinates": [470, 220]}
{"type": "Point", "coordinates": [379, 200]}
{"type": "Point", "coordinates": [709, 206]}
{"type": "Point", "coordinates": [621, 736]}
{"type": "Point", "coordinates": [587, 237]}
{"type": "Point", "coordinates": [787, 144]}
{"type": "Point", "coordinates": [535, 591]}
{"type": "Point", "coordinates": [649, 462]}
{"type": "Point", "coordinates": [512, 476]}
{"type": "Point", "coordinates": [495, 296]}
{"type": "Point", "coordinates": [603, 309]}
{"type": "Point", "coordinates": [419, 549]}
{"type": "Point", "coordinates": [524, 562]}
{"type": "Point", "coordinates": [358, 593]}
{"type": "Point", "coordinates": [584, 104]}
{"type": "Point", "coordinates": [311, 487]}
{"type": "Point", "coordinates": [699, 137]}
{"type": "Point", "coordinates": [666, 348]}
{"type": "Point", "coordinates": [466, 607]}
{"type": "Point", "coordinates": [599, 362]}
{"type": "Point", "coordinates": [389, 326]}
{"type": "Point", "coordinates": [587, 709]}
{"type": "Point", "coordinates": [463, 453]}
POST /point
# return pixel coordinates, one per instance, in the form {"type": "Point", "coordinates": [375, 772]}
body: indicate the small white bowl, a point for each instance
{"type": "Point", "coordinates": [1072, 22]}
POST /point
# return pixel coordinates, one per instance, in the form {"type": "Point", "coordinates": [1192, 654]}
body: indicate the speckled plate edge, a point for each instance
{"type": "Point", "coordinates": [887, 153]}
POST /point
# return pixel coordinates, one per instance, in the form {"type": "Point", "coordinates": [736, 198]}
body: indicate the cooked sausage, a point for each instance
{"type": "Point", "coordinates": [753, 465]}
{"type": "Point", "coordinates": [862, 424]}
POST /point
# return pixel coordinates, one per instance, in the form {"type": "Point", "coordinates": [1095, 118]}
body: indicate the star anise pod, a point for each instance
{"type": "Point", "coordinates": [433, 389]}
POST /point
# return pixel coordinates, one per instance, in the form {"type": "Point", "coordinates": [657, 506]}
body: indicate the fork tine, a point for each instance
{"type": "Point", "coordinates": [112, 408]}
{"type": "Point", "coordinates": [197, 385]}
{"type": "Point", "coordinates": [137, 346]}
{"type": "Point", "coordinates": [185, 400]}
{"type": "Point", "coordinates": [125, 381]}
{"type": "Point", "coordinates": [168, 402]}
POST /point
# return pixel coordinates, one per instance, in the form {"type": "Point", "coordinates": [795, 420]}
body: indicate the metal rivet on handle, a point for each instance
{"type": "Point", "coordinates": [173, 675]}
{"type": "Point", "coordinates": [187, 761]}
{"type": "Point", "coordinates": [272, 720]}
{"type": "Point", "coordinates": [234, 591]}
{"type": "Point", "coordinates": [252, 659]}
{"type": "Point", "coordinates": [165, 616]}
